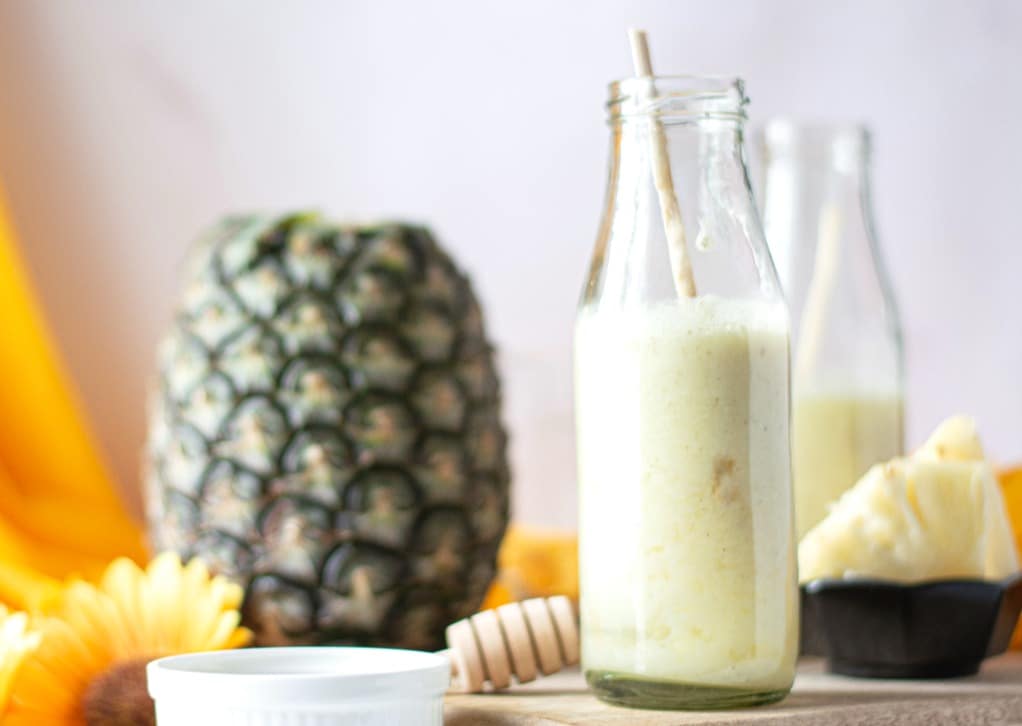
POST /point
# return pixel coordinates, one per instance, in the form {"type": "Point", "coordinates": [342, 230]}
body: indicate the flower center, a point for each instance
{"type": "Point", "coordinates": [118, 697]}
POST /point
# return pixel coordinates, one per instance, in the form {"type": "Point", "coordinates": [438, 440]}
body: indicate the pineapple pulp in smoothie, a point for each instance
{"type": "Point", "coordinates": [686, 561]}
{"type": "Point", "coordinates": [837, 437]}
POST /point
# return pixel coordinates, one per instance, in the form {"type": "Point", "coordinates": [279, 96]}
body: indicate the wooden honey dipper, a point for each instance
{"type": "Point", "coordinates": [520, 639]}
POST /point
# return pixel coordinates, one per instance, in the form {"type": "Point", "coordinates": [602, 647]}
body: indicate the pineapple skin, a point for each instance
{"type": "Point", "coordinates": [326, 431]}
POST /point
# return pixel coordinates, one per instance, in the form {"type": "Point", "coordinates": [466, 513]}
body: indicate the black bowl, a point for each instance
{"type": "Point", "coordinates": [937, 629]}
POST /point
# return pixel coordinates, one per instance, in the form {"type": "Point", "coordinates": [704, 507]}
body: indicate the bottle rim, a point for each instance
{"type": "Point", "coordinates": [795, 138]}
{"type": "Point", "coordinates": [678, 98]}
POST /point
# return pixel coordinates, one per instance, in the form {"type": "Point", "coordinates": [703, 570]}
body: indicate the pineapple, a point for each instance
{"type": "Point", "coordinates": [327, 431]}
{"type": "Point", "coordinates": [936, 514]}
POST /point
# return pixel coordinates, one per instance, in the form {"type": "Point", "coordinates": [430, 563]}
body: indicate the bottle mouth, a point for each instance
{"type": "Point", "coordinates": [844, 143]}
{"type": "Point", "coordinates": [678, 99]}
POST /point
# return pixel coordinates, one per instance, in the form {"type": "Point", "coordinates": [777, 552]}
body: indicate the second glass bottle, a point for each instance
{"type": "Point", "coordinates": [847, 398]}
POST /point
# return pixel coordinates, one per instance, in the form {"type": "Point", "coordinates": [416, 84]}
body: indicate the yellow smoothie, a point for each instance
{"type": "Point", "coordinates": [837, 437]}
{"type": "Point", "coordinates": [687, 552]}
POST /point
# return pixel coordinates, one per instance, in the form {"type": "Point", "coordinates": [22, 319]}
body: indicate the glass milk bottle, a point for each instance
{"type": "Point", "coordinates": [847, 405]}
{"type": "Point", "coordinates": [688, 586]}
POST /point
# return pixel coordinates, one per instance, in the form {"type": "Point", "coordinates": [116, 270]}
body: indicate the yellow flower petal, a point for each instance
{"type": "Point", "coordinates": [224, 627]}
{"type": "Point", "coordinates": [121, 582]}
{"type": "Point", "coordinates": [45, 689]}
{"type": "Point", "coordinates": [17, 641]}
{"type": "Point", "coordinates": [239, 639]}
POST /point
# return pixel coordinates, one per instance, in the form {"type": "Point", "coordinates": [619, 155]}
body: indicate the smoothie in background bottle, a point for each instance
{"type": "Point", "coordinates": [837, 437]}
{"type": "Point", "coordinates": [685, 493]}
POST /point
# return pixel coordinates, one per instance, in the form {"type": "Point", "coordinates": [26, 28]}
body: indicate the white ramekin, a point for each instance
{"type": "Point", "coordinates": [322, 686]}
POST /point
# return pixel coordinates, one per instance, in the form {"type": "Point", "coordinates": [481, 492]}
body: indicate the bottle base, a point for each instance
{"type": "Point", "coordinates": [635, 692]}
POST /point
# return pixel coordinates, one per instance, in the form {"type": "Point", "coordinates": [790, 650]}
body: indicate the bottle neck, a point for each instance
{"type": "Point", "coordinates": [817, 206]}
{"type": "Point", "coordinates": [721, 226]}
{"type": "Point", "coordinates": [679, 220]}
{"type": "Point", "coordinates": [707, 168]}
{"type": "Point", "coordinates": [818, 218]}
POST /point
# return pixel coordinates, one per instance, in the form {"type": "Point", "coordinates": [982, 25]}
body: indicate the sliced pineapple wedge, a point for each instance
{"type": "Point", "coordinates": [936, 514]}
{"type": "Point", "coordinates": [956, 439]}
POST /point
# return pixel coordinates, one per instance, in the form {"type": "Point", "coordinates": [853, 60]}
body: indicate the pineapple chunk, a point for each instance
{"type": "Point", "coordinates": [936, 514]}
{"type": "Point", "coordinates": [956, 439]}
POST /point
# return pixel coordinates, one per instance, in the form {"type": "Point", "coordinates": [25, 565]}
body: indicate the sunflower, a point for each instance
{"type": "Point", "coordinates": [17, 640]}
{"type": "Point", "coordinates": [89, 668]}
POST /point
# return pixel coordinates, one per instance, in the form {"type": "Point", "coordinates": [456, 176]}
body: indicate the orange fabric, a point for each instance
{"type": "Point", "coordinates": [1011, 489]}
{"type": "Point", "coordinates": [59, 512]}
{"type": "Point", "coordinates": [534, 563]}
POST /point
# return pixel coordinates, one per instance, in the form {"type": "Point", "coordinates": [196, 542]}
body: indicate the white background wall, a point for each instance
{"type": "Point", "coordinates": [126, 126]}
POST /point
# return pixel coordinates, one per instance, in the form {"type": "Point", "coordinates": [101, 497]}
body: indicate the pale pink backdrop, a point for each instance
{"type": "Point", "coordinates": [126, 126]}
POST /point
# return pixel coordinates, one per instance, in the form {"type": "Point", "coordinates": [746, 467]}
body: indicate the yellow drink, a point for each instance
{"type": "Point", "coordinates": [687, 554]}
{"type": "Point", "coordinates": [837, 438]}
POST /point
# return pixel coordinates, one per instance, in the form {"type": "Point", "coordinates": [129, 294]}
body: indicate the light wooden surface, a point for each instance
{"type": "Point", "coordinates": [992, 697]}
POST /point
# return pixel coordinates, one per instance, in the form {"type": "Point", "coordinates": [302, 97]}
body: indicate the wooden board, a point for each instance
{"type": "Point", "coordinates": [992, 697]}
